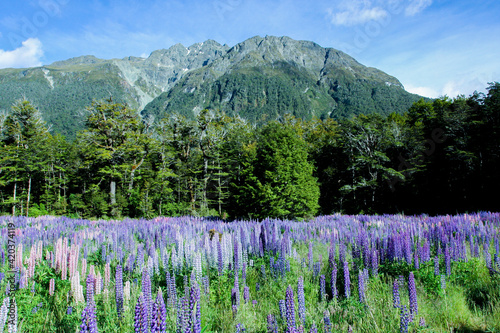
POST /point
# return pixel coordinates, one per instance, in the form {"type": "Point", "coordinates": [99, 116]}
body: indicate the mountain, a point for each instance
{"type": "Point", "coordinates": [63, 89]}
{"type": "Point", "coordinates": [258, 79]}
{"type": "Point", "coordinates": [267, 77]}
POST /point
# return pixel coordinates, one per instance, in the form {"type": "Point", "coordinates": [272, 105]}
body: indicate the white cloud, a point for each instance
{"type": "Point", "coordinates": [416, 6]}
{"type": "Point", "coordinates": [356, 12]}
{"type": "Point", "coordinates": [422, 91]}
{"type": "Point", "coordinates": [465, 86]}
{"type": "Point", "coordinates": [28, 55]}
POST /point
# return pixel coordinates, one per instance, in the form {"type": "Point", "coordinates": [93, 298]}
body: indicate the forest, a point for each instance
{"type": "Point", "coordinates": [439, 157]}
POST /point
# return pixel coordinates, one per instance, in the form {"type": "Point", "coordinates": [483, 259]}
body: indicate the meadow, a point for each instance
{"type": "Point", "coordinates": [337, 273]}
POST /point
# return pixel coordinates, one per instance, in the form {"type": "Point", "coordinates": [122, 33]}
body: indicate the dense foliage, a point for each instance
{"type": "Point", "coordinates": [62, 100]}
{"type": "Point", "coordinates": [439, 157]}
{"type": "Point", "coordinates": [337, 273]}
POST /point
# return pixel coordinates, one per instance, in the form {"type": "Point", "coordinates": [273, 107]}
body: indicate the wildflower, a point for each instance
{"type": "Point", "coordinates": [413, 296]}
{"type": "Point", "coordinates": [301, 300]}
{"type": "Point", "coordinates": [347, 280]}
{"type": "Point", "coordinates": [396, 302]}
{"type": "Point", "coordinates": [290, 309]}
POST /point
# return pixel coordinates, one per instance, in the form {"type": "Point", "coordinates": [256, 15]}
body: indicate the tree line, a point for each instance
{"type": "Point", "coordinates": [439, 157]}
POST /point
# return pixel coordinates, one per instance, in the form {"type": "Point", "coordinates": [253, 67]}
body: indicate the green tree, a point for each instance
{"type": "Point", "coordinates": [366, 142]}
{"type": "Point", "coordinates": [24, 135]}
{"type": "Point", "coordinates": [279, 179]}
{"type": "Point", "coordinates": [115, 145]}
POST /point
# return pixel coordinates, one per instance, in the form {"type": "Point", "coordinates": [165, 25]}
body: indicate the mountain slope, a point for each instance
{"type": "Point", "coordinates": [63, 89]}
{"type": "Point", "coordinates": [267, 77]}
{"type": "Point", "coordinates": [258, 79]}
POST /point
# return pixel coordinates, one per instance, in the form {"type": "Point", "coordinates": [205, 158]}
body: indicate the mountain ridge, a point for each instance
{"type": "Point", "coordinates": [298, 75]}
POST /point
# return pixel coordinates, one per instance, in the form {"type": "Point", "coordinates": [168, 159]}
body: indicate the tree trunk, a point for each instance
{"type": "Point", "coordinates": [132, 173]}
{"type": "Point", "coordinates": [28, 200]}
{"type": "Point", "coordinates": [112, 197]}
{"type": "Point", "coordinates": [14, 205]}
{"type": "Point", "coordinates": [205, 182]}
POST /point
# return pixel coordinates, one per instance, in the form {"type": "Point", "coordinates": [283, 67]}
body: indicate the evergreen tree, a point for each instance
{"type": "Point", "coordinates": [280, 182]}
{"type": "Point", "coordinates": [115, 147]}
{"type": "Point", "coordinates": [24, 138]}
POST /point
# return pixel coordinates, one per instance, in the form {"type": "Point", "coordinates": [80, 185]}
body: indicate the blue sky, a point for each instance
{"type": "Point", "coordinates": [434, 47]}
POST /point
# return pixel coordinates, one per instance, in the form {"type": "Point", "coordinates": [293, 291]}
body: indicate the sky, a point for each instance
{"type": "Point", "coordinates": [434, 47]}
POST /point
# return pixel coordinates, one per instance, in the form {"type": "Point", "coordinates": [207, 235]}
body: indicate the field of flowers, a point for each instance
{"type": "Point", "coordinates": [335, 273]}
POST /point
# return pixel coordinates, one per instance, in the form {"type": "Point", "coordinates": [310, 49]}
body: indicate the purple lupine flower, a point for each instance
{"type": "Point", "coordinates": [290, 309]}
{"type": "Point", "coordinates": [158, 321]}
{"type": "Point", "coordinates": [272, 326]}
{"type": "Point", "coordinates": [69, 311]}
{"type": "Point", "coordinates": [447, 260]}
{"type": "Point", "coordinates": [219, 258]}
{"type": "Point", "coordinates": [236, 291]}
{"type": "Point", "coordinates": [187, 316]}
{"type": "Point", "coordinates": [396, 301]}
{"type": "Point", "coordinates": [374, 262]}
{"type": "Point", "coordinates": [254, 302]}
{"type": "Point", "coordinates": [146, 290]}
{"type": "Point", "coordinates": [407, 249]}
{"type": "Point", "coordinates": [89, 322]}
{"type": "Point", "coordinates": [235, 312]}
{"type": "Point", "coordinates": [328, 323]}
{"type": "Point", "coordinates": [322, 288]}
{"type": "Point", "coordinates": [313, 328]}
{"type": "Point", "coordinates": [487, 254]}
{"type": "Point", "coordinates": [282, 307]}
{"type": "Point", "coordinates": [316, 269]}
{"type": "Point", "coordinates": [404, 320]}
{"type": "Point", "coordinates": [119, 290]}
{"type": "Point", "coordinates": [257, 286]}
{"type": "Point", "coordinates": [84, 324]}
{"type": "Point", "coordinates": [240, 328]}
{"type": "Point", "coordinates": [412, 290]}
{"type": "Point", "coordinates": [341, 252]}
{"type": "Point", "coordinates": [169, 285]}
{"type": "Point", "coordinates": [236, 258]}
{"type": "Point", "coordinates": [421, 322]}
{"type": "Point", "coordinates": [141, 316]}
{"type": "Point", "coordinates": [246, 294]}
{"type": "Point", "coordinates": [416, 262]}
{"type": "Point", "coordinates": [272, 267]}
{"type": "Point", "coordinates": [333, 281]}
{"type": "Point", "coordinates": [235, 297]}
{"type": "Point", "coordinates": [206, 285]}
{"type": "Point", "coordinates": [347, 280]}
{"type": "Point", "coordinates": [361, 287]}
{"type": "Point", "coordinates": [244, 272]}
{"type": "Point", "coordinates": [195, 308]}
{"type": "Point", "coordinates": [436, 266]}
{"type": "Point", "coordinates": [476, 249]}
{"type": "Point", "coordinates": [180, 315]}
{"type": "Point", "coordinates": [301, 300]}
{"type": "Point", "coordinates": [331, 256]}
{"type": "Point", "coordinates": [90, 291]}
